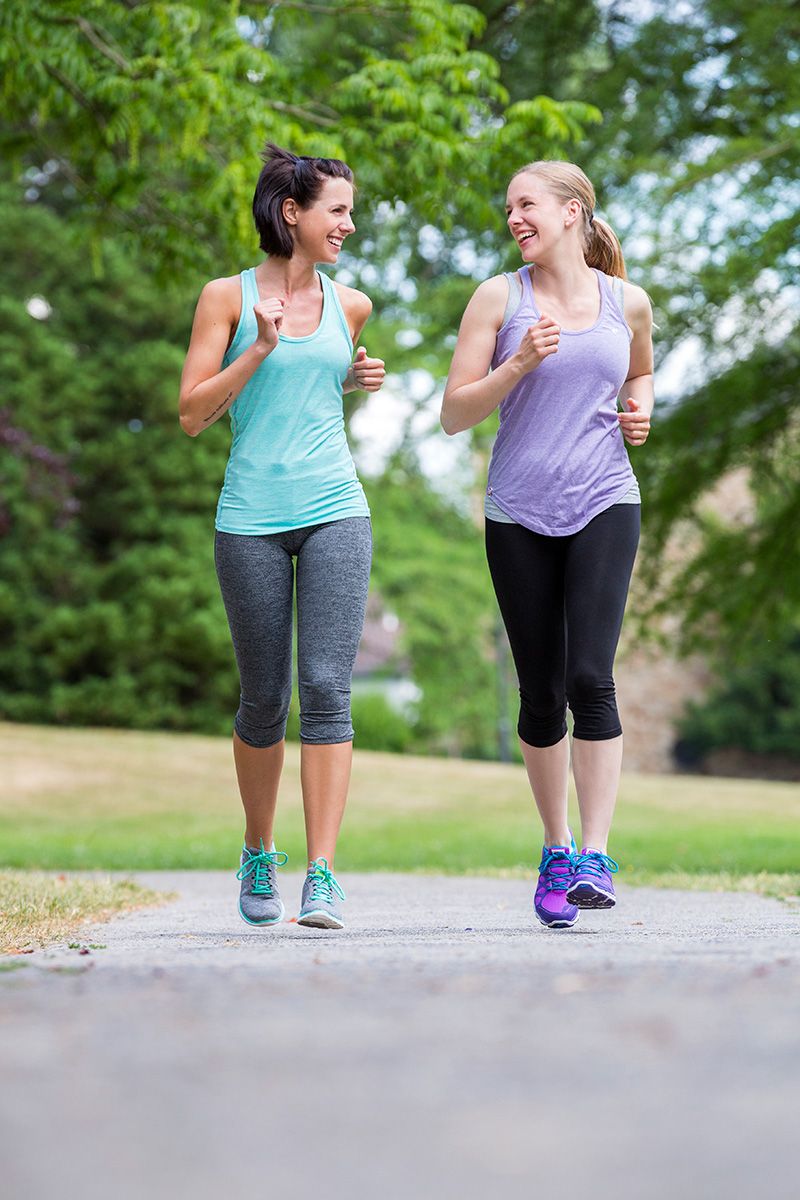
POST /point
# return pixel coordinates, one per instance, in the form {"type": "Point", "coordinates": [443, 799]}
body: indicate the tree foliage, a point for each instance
{"type": "Point", "coordinates": [754, 708]}
{"type": "Point", "coordinates": [109, 611]}
{"type": "Point", "coordinates": [155, 113]}
{"type": "Point", "coordinates": [430, 568]}
{"type": "Point", "coordinates": [109, 608]}
{"type": "Point", "coordinates": [134, 130]}
{"type": "Point", "coordinates": [700, 156]}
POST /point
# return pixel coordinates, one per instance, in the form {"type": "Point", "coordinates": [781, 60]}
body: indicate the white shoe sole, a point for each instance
{"type": "Point", "coordinates": [319, 919]}
{"type": "Point", "coordinates": [556, 924]}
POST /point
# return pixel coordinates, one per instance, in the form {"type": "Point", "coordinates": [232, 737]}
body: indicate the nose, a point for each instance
{"type": "Point", "coordinates": [348, 226]}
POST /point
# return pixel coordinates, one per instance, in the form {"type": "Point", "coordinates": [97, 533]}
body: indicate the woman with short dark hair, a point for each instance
{"type": "Point", "coordinates": [273, 347]}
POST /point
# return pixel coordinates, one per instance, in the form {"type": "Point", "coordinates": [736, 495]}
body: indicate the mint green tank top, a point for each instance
{"type": "Point", "coordinates": [290, 465]}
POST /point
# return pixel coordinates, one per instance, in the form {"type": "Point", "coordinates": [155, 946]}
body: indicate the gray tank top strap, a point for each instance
{"type": "Point", "coordinates": [618, 293]}
{"type": "Point", "coordinates": [514, 295]}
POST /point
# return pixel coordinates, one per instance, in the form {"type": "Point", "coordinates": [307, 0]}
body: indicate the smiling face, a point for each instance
{"type": "Point", "coordinates": [320, 229]}
{"type": "Point", "coordinates": [537, 219]}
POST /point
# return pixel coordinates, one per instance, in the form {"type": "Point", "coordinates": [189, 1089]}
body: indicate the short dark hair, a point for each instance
{"type": "Point", "coordinates": [287, 176]}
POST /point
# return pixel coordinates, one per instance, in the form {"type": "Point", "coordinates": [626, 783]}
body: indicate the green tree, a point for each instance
{"type": "Point", "coordinates": [154, 113]}
{"type": "Point", "coordinates": [700, 154]}
{"type": "Point", "coordinates": [133, 130]}
{"type": "Point", "coordinates": [697, 160]}
{"type": "Point", "coordinates": [429, 566]}
{"type": "Point", "coordinates": [755, 708]}
{"type": "Point", "coordinates": [109, 611]}
{"type": "Point", "coordinates": [109, 608]}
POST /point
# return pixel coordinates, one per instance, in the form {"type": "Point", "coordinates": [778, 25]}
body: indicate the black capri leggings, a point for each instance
{"type": "Point", "coordinates": [562, 601]}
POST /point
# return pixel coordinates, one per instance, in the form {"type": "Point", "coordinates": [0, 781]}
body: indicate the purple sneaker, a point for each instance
{"type": "Point", "coordinates": [592, 886]}
{"type": "Point", "coordinates": [550, 902]}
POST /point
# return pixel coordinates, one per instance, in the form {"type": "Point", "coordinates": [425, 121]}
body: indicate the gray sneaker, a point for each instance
{"type": "Point", "coordinates": [321, 895]}
{"type": "Point", "coordinates": [259, 901]}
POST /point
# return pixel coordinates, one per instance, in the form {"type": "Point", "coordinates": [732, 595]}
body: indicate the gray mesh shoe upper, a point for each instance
{"type": "Point", "coordinates": [322, 894]}
{"type": "Point", "coordinates": [259, 900]}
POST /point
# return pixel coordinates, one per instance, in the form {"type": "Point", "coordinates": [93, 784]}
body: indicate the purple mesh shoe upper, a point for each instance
{"type": "Point", "coordinates": [591, 885]}
{"type": "Point", "coordinates": [555, 877]}
{"type": "Point", "coordinates": [594, 869]}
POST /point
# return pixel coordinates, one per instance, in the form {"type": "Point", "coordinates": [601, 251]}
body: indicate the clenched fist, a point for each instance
{"type": "Point", "coordinates": [538, 342]}
{"type": "Point", "coordinates": [269, 318]}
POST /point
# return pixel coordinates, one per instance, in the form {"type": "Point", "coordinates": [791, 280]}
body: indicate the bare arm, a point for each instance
{"type": "Point", "coordinates": [206, 391]}
{"type": "Point", "coordinates": [365, 374]}
{"type": "Point", "coordinates": [471, 393]}
{"type": "Point", "coordinates": [638, 390]}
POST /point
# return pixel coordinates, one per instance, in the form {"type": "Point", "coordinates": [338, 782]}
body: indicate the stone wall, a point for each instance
{"type": "Point", "coordinates": [652, 690]}
{"type": "Point", "coordinates": [653, 685]}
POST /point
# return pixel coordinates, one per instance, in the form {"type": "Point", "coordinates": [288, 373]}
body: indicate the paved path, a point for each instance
{"type": "Point", "coordinates": [442, 1046]}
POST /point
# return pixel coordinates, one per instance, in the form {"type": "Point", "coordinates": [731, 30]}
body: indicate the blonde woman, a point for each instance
{"type": "Point", "coordinates": [554, 345]}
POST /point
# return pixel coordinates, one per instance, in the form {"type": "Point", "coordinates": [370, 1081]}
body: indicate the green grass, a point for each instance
{"type": "Point", "coordinates": [127, 800]}
{"type": "Point", "coordinates": [38, 910]}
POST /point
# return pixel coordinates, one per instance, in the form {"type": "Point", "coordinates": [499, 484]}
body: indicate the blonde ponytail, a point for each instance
{"type": "Point", "coordinates": [602, 249]}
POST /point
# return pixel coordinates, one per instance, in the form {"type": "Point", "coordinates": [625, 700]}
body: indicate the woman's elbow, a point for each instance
{"type": "Point", "coordinates": [448, 420]}
{"type": "Point", "coordinates": [188, 424]}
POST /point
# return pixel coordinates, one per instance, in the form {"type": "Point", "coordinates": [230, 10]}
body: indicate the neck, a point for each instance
{"type": "Point", "coordinates": [285, 276]}
{"type": "Point", "coordinates": [563, 275]}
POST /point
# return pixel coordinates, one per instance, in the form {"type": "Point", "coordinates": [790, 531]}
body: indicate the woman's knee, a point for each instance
{"type": "Point", "coordinates": [325, 709]}
{"type": "Point", "coordinates": [261, 720]}
{"type": "Point", "coordinates": [593, 701]}
{"type": "Point", "coordinates": [542, 718]}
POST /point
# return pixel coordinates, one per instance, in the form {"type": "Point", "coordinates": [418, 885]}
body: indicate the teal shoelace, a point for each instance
{"type": "Point", "coordinates": [557, 881]}
{"type": "Point", "coordinates": [258, 865]}
{"type": "Point", "coordinates": [594, 862]}
{"type": "Point", "coordinates": [325, 882]}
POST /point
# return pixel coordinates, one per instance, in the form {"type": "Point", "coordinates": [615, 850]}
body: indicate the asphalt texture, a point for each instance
{"type": "Point", "coordinates": [442, 1045]}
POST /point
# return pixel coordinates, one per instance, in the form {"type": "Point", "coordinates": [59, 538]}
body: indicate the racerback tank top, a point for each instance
{"type": "Point", "coordinates": [559, 458]}
{"type": "Point", "coordinates": [290, 465]}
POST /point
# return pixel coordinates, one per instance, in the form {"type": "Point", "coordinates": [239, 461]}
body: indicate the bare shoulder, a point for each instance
{"type": "Point", "coordinates": [492, 289]}
{"type": "Point", "coordinates": [355, 303]}
{"type": "Point", "coordinates": [489, 300]}
{"type": "Point", "coordinates": [638, 309]}
{"type": "Point", "coordinates": [223, 293]}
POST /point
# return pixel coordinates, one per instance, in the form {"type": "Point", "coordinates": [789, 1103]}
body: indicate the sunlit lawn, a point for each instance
{"type": "Point", "coordinates": [38, 909]}
{"type": "Point", "coordinates": [116, 799]}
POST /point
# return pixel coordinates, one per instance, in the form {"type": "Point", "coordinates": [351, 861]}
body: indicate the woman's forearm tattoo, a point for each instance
{"type": "Point", "coordinates": [219, 407]}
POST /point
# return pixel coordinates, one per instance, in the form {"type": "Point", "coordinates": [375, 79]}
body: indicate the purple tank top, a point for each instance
{"type": "Point", "coordinates": [559, 458]}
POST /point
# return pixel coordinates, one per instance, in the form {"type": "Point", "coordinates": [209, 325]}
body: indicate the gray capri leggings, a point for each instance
{"type": "Point", "coordinates": [256, 577]}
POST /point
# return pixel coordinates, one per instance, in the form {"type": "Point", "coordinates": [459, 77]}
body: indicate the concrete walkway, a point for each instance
{"type": "Point", "coordinates": [443, 1046]}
